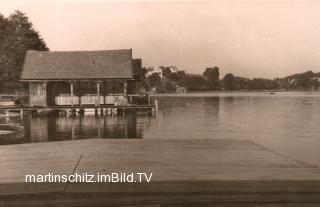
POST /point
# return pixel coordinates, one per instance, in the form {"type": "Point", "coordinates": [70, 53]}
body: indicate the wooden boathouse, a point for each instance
{"type": "Point", "coordinates": [84, 79]}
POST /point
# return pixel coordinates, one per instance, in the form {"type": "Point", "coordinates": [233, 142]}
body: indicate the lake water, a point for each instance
{"type": "Point", "coordinates": [286, 122]}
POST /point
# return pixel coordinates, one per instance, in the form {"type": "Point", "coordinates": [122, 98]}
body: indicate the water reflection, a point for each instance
{"type": "Point", "coordinates": [286, 122]}
{"type": "Point", "coordinates": [55, 128]}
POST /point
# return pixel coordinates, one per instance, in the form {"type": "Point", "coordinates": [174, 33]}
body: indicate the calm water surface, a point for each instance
{"type": "Point", "coordinates": [286, 122]}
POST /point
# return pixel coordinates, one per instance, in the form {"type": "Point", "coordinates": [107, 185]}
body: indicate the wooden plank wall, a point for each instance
{"type": "Point", "coordinates": [38, 94]}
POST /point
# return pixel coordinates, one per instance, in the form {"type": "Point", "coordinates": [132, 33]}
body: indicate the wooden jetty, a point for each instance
{"type": "Point", "coordinates": [197, 172]}
{"type": "Point", "coordinates": [102, 109]}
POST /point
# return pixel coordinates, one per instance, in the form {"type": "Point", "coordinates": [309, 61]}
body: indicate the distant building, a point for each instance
{"type": "Point", "coordinates": [173, 69]}
{"type": "Point", "coordinates": [316, 79]}
{"type": "Point", "coordinates": [80, 77]}
{"type": "Point", "coordinates": [153, 70]}
{"type": "Point", "coordinates": [160, 70]}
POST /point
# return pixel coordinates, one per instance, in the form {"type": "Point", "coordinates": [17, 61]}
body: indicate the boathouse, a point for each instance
{"type": "Point", "coordinates": [81, 77]}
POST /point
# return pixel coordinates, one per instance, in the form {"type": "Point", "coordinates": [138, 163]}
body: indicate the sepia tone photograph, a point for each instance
{"type": "Point", "coordinates": [158, 103]}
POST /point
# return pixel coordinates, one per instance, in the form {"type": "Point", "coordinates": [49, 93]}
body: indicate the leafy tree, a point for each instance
{"type": "Point", "coordinates": [262, 84]}
{"type": "Point", "coordinates": [229, 82]}
{"type": "Point", "coordinates": [17, 35]}
{"type": "Point", "coordinates": [242, 83]}
{"type": "Point", "coordinates": [193, 82]}
{"type": "Point", "coordinates": [212, 78]}
{"type": "Point", "coordinates": [306, 80]}
{"type": "Point", "coordinates": [154, 80]}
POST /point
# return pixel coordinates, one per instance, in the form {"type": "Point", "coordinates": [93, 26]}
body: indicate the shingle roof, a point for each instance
{"type": "Point", "coordinates": [46, 65]}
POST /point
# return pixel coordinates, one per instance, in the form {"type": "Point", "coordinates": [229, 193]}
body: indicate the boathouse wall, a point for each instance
{"type": "Point", "coordinates": [38, 93]}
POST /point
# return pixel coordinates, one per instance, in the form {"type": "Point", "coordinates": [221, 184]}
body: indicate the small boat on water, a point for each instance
{"type": "Point", "coordinates": [11, 133]}
{"type": "Point", "coordinates": [6, 103]}
{"type": "Point", "coordinates": [10, 114]}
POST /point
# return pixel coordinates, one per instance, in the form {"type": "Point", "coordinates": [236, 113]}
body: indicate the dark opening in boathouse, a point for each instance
{"type": "Point", "coordinates": [81, 77]}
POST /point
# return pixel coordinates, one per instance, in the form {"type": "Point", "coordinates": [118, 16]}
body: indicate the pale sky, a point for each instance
{"type": "Point", "coordinates": [251, 38]}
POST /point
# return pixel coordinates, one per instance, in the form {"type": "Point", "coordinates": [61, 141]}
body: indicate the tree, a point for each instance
{"type": "Point", "coordinates": [154, 80]}
{"type": "Point", "coordinates": [262, 84]}
{"type": "Point", "coordinates": [305, 80]}
{"type": "Point", "coordinates": [193, 82]}
{"type": "Point", "coordinates": [17, 35]}
{"type": "Point", "coordinates": [212, 78]}
{"type": "Point", "coordinates": [229, 82]}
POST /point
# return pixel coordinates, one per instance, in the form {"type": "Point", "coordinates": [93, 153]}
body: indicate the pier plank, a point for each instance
{"type": "Point", "coordinates": [184, 171]}
{"type": "Point", "coordinates": [38, 158]}
{"type": "Point", "coordinates": [196, 166]}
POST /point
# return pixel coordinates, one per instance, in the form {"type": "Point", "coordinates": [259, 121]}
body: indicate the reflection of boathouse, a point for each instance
{"type": "Point", "coordinates": [81, 77]}
{"type": "Point", "coordinates": [42, 129]}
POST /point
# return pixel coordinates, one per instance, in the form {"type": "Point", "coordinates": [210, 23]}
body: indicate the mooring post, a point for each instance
{"type": "Point", "coordinates": [73, 112]}
{"type": "Point", "coordinates": [109, 111]}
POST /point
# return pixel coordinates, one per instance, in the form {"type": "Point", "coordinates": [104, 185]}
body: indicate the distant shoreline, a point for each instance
{"type": "Point", "coordinates": [269, 92]}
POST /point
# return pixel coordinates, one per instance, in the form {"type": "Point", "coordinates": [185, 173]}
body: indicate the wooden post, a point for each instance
{"type": "Point", "coordinates": [104, 92]}
{"type": "Point", "coordinates": [98, 92]}
{"type": "Point", "coordinates": [71, 92]}
{"type": "Point", "coordinates": [30, 93]}
{"type": "Point", "coordinates": [21, 112]}
{"type": "Point", "coordinates": [79, 94]}
{"type": "Point", "coordinates": [125, 91]}
{"type": "Point", "coordinates": [125, 88]}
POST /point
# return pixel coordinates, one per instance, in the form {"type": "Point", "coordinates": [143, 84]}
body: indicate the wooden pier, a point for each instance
{"type": "Point", "coordinates": [102, 109]}
{"type": "Point", "coordinates": [198, 172]}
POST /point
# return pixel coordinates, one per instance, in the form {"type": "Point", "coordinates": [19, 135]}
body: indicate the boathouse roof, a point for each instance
{"type": "Point", "coordinates": [75, 65]}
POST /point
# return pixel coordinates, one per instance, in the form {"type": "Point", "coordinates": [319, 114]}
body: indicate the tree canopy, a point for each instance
{"type": "Point", "coordinates": [17, 35]}
{"type": "Point", "coordinates": [210, 81]}
{"type": "Point", "coordinates": [212, 78]}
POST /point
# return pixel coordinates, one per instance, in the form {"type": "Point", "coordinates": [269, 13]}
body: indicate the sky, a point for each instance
{"type": "Point", "coordinates": [249, 38]}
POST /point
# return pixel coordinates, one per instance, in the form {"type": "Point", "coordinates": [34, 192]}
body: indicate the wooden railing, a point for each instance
{"type": "Point", "coordinates": [91, 99]}
{"type": "Point", "coordinates": [66, 99]}
{"type": "Point", "coordinates": [94, 99]}
{"type": "Point", "coordinates": [116, 99]}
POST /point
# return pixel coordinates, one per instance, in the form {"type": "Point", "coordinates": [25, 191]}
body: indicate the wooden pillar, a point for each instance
{"type": "Point", "coordinates": [79, 94]}
{"type": "Point", "coordinates": [21, 113]}
{"type": "Point", "coordinates": [104, 92]}
{"type": "Point", "coordinates": [125, 88]}
{"type": "Point", "coordinates": [98, 92]}
{"type": "Point", "coordinates": [30, 94]}
{"type": "Point", "coordinates": [71, 92]}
